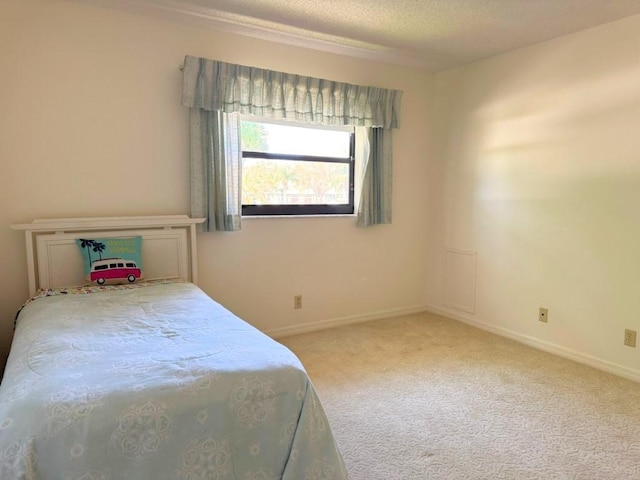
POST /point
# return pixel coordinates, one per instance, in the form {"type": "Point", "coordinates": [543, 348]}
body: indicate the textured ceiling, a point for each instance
{"type": "Point", "coordinates": [428, 34]}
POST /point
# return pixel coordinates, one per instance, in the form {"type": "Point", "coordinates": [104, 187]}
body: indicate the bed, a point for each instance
{"type": "Point", "coordinates": [151, 379]}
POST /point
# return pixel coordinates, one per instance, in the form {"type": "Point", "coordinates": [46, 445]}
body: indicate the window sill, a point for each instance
{"type": "Point", "coordinates": [261, 217]}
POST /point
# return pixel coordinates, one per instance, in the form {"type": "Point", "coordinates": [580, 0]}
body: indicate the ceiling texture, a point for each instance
{"type": "Point", "coordinates": [431, 35]}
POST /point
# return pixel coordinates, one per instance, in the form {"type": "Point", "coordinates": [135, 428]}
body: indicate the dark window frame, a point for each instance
{"type": "Point", "coordinates": [306, 209]}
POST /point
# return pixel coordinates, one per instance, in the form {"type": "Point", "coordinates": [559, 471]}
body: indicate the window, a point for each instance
{"type": "Point", "coordinates": [296, 170]}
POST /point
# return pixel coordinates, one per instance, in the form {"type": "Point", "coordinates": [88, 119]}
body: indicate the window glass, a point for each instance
{"type": "Point", "coordinates": [294, 140]}
{"type": "Point", "coordinates": [296, 170]}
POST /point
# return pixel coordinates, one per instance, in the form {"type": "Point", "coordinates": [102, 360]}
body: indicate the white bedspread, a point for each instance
{"type": "Point", "coordinates": [152, 383]}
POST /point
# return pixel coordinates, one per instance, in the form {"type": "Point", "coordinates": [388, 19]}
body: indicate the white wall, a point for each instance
{"type": "Point", "coordinates": [539, 173]}
{"type": "Point", "coordinates": [91, 124]}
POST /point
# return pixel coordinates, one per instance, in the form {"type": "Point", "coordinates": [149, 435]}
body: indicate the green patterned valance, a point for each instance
{"type": "Point", "coordinates": [212, 85]}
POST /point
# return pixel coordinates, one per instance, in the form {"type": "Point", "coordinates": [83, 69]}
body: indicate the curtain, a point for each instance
{"type": "Point", "coordinates": [375, 196]}
{"type": "Point", "coordinates": [213, 86]}
{"type": "Point", "coordinates": [216, 162]}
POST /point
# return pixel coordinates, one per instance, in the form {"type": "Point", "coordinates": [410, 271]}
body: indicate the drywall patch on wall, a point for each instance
{"type": "Point", "coordinates": [460, 279]}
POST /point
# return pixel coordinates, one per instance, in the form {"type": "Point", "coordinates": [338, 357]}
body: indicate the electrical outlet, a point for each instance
{"type": "Point", "coordinates": [297, 301]}
{"type": "Point", "coordinates": [630, 338]}
{"type": "Point", "coordinates": [543, 314]}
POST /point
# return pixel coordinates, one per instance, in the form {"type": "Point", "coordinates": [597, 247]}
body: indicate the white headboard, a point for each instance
{"type": "Point", "coordinates": [53, 258]}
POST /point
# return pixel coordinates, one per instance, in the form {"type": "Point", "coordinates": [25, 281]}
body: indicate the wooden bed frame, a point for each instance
{"type": "Point", "coordinates": [53, 258]}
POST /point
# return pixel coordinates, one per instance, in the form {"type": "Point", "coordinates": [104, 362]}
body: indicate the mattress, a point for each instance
{"type": "Point", "coordinates": [155, 381]}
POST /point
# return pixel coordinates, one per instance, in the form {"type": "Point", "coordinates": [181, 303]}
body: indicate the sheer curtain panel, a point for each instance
{"type": "Point", "coordinates": [375, 196]}
{"type": "Point", "coordinates": [216, 161]}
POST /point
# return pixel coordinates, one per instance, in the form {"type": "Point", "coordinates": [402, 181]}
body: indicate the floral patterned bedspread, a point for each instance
{"type": "Point", "coordinates": [154, 383]}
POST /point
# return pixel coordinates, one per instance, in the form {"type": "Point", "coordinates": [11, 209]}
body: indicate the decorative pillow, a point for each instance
{"type": "Point", "coordinates": [112, 260]}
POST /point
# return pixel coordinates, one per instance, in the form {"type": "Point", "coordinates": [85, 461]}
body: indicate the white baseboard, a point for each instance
{"type": "Point", "coordinates": [338, 322]}
{"type": "Point", "coordinates": [576, 356]}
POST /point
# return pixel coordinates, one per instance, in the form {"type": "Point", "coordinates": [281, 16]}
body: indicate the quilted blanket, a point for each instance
{"type": "Point", "coordinates": [158, 382]}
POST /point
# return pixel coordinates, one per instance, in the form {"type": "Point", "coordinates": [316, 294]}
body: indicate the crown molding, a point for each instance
{"type": "Point", "coordinates": [264, 30]}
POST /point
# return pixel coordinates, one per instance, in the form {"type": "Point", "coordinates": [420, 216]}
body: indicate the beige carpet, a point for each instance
{"type": "Point", "coordinates": [424, 397]}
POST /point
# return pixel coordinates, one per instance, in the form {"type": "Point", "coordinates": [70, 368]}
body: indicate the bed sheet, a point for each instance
{"type": "Point", "coordinates": [156, 383]}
